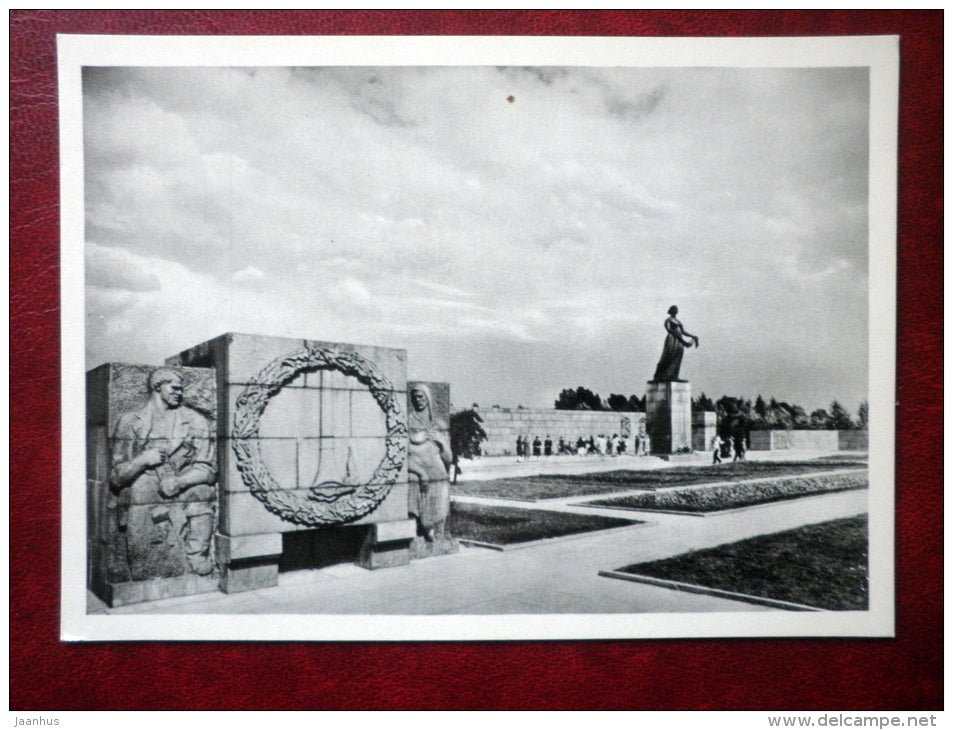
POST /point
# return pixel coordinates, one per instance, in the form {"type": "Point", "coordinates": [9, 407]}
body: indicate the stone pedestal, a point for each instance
{"type": "Point", "coordinates": [151, 482]}
{"type": "Point", "coordinates": [387, 545]}
{"type": "Point", "coordinates": [704, 428]}
{"type": "Point", "coordinates": [440, 545]}
{"type": "Point", "coordinates": [668, 417]}
{"type": "Point", "coordinates": [311, 435]}
{"type": "Point", "coordinates": [248, 561]}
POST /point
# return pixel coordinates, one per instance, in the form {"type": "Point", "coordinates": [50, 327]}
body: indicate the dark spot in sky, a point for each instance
{"type": "Point", "coordinates": [511, 99]}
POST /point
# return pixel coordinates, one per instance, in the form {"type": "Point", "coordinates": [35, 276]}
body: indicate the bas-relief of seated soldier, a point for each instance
{"type": "Point", "coordinates": [428, 461]}
{"type": "Point", "coordinates": [162, 475]}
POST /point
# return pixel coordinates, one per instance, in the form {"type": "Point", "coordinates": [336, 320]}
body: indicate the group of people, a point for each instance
{"type": "Point", "coordinates": [600, 445]}
{"type": "Point", "coordinates": [537, 447]}
{"type": "Point", "coordinates": [731, 447]}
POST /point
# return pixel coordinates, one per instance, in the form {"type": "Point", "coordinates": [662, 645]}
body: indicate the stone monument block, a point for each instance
{"type": "Point", "coordinates": [311, 435]}
{"type": "Point", "coordinates": [704, 428]}
{"type": "Point", "coordinates": [151, 482]}
{"type": "Point", "coordinates": [668, 416]}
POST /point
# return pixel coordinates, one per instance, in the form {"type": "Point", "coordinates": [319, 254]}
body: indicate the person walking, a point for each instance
{"type": "Point", "coordinates": [739, 440]}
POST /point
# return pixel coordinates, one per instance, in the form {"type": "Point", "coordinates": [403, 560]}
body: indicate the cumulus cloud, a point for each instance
{"type": "Point", "coordinates": [115, 268]}
{"type": "Point", "coordinates": [250, 276]}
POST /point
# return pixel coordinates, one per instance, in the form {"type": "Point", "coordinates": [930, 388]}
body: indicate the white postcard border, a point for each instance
{"type": "Point", "coordinates": [879, 53]}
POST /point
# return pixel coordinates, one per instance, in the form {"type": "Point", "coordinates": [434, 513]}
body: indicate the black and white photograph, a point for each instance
{"type": "Point", "coordinates": [484, 339]}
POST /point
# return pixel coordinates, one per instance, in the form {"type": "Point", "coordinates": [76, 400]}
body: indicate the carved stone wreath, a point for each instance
{"type": "Point", "coordinates": [320, 507]}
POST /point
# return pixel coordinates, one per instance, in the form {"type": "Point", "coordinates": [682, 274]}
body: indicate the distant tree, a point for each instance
{"type": "Point", "coordinates": [783, 414]}
{"type": "Point", "coordinates": [774, 414]}
{"type": "Point", "coordinates": [618, 402]}
{"type": "Point", "coordinates": [757, 423]}
{"type": "Point", "coordinates": [728, 406]}
{"type": "Point", "coordinates": [839, 417]}
{"type": "Point", "coordinates": [567, 400]}
{"type": "Point", "coordinates": [466, 434]}
{"type": "Point", "coordinates": [819, 418]}
{"type": "Point", "coordinates": [862, 414]}
{"type": "Point", "coordinates": [637, 404]}
{"type": "Point", "coordinates": [800, 417]}
{"type": "Point", "coordinates": [578, 399]}
{"type": "Point", "coordinates": [703, 403]}
{"type": "Point", "coordinates": [592, 400]}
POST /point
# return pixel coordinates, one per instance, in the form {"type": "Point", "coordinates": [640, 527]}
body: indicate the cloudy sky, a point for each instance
{"type": "Point", "coordinates": [517, 230]}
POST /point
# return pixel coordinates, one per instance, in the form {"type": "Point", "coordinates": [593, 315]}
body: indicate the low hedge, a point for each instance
{"type": "Point", "coordinates": [733, 496]}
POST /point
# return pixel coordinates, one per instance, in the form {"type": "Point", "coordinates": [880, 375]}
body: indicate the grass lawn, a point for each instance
{"type": "Point", "coordinates": [822, 565]}
{"type": "Point", "coordinates": [733, 496]}
{"type": "Point", "coordinates": [550, 486]}
{"type": "Point", "coordinates": [511, 525]}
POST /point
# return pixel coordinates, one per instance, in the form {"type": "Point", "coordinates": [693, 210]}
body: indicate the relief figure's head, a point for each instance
{"type": "Point", "coordinates": [420, 397]}
{"type": "Point", "coordinates": [168, 385]}
{"type": "Point", "coordinates": [673, 310]}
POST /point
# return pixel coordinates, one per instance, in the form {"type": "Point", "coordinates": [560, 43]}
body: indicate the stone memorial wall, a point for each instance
{"type": "Point", "coordinates": [312, 435]}
{"type": "Point", "coordinates": [853, 440]}
{"type": "Point", "coordinates": [504, 425]}
{"type": "Point", "coordinates": [781, 439]}
{"type": "Point", "coordinates": [246, 455]}
{"type": "Point", "coordinates": [823, 440]}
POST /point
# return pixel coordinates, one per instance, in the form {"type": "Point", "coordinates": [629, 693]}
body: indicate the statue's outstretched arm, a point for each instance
{"type": "Point", "coordinates": [691, 339]}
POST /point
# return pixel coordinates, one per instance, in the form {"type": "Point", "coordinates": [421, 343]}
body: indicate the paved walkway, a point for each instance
{"type": "Point", "coordinates": [558, 576]}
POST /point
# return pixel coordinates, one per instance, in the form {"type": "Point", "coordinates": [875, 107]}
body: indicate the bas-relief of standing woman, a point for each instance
{"type": "Point", "coordinates": [675, 343]}
{"type": "Point", "coordinates": [428, 460]}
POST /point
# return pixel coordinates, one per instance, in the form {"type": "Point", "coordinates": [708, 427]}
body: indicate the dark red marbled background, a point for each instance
{"type": "Point", "coordinates": [752, 674]}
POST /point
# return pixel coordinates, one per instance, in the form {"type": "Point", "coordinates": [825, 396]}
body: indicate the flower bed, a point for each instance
{"type": "Point", "coordinates": [733, 496]}
{"type": "Point", "coordinates": [554, 486]}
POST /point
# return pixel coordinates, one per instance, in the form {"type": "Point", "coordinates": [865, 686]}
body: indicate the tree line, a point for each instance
{"type": "Point", "coordinates": [583, 399]}
{"type": "Point", "coordinates": [756, 415]}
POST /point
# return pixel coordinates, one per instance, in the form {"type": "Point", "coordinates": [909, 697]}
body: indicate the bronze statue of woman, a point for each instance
{"type": "Point", "coordinates": [675, 343]}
